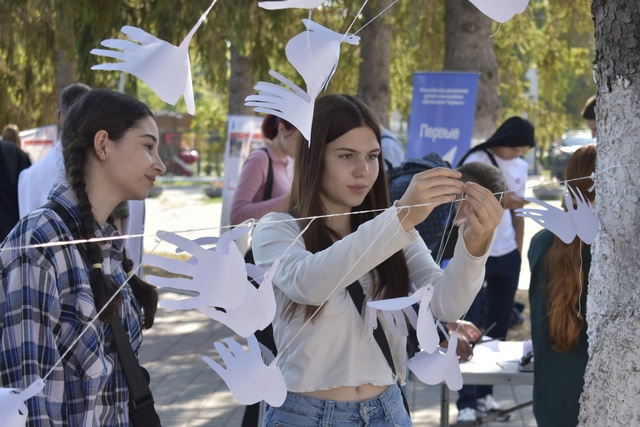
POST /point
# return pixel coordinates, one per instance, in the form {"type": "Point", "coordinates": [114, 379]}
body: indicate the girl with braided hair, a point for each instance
{"type": "Point", "coordinates": [50, 294]}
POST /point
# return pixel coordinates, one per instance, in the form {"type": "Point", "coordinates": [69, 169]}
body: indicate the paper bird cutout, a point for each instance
{"type": "Point", "coordinates": [314, 54]}
{"type": "Point", "coordinates": [395, 309]}
{"type": "Point", "coordinates": [12, 408]}
{"type": "Point", "coordinates": [247, 377]}
{"type": "Point", "coordinates": [500, 10]}
{"type": "Point", "coordinates": [434, 368]}
{"type": "Point", "coordinates": [580, 221]}
{"type": "Point", "coordinates": [290, 4]}
{"type": "Point", "coordinates": [161, 65]}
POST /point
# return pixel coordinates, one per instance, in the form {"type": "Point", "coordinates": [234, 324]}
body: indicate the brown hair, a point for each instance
{"type": "Point", "coordinates": [12, 133]}
{"type": "Point", "coordinates": [115, 113]}
{"type": "Point", "coordinates": [489, 176]}
{"type": "Point", "coordinates": [270, 126]}
{"type": "Point", "coordinates": [566, 280]}
{"type": "Point", "coordinates": [335, 115]}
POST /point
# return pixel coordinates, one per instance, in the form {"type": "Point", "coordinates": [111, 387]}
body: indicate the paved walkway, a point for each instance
{"type": "Point", "coordinates": [187, 392]}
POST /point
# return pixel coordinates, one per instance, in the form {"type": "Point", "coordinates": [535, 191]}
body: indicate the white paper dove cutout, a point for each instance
{"type": "Point", "coordinates": [12, 408]}
{"type": "Point", "coordinates": [500, 10]}
{"type": "Point", "coordinates": [161, 65]}
{"type": "Point", "coordinates": [247, 377]}
{"type": "Point", "coordinates": [395, 309]}
{"type": "Point", "coordinates": [578, 221]}
{"type": "Point", "coordinates": [314, 54]}
{"type": "Point", "coordinates": [290, 4]}
{"type": "Point", "coordinates": [438, 366]}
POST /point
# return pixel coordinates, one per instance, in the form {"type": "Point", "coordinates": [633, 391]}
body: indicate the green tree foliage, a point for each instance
{"type": "Point", "coordinates": [37, 36]}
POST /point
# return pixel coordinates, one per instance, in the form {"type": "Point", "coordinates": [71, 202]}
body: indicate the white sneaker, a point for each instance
{"type": "Point", "coordinates": [466, 414]}
{"type": "Point", "coordinates": [488, 404]}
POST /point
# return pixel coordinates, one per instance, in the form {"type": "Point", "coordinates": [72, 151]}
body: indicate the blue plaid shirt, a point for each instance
{"type": "Point", "coordinates": [45, 303]}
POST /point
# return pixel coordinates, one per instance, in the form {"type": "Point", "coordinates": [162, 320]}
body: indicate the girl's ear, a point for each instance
{"type": "Point", "coordinates": [100, 145]}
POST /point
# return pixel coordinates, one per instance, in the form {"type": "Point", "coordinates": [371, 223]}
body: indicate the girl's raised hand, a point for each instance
{"type": "Point", "coordinates": [483, 214]}
{"type": "Point", "coordinates": [428, 190]}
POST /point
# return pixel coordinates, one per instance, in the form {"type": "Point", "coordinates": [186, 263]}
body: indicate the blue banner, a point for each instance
{"type": "Point", "coordinates": [442, 112]}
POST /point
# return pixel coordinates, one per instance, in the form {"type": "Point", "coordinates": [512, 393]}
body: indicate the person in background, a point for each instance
{"type": "Point", "coordinates": [35, 182]}
{"type": "Point", "coordinates": [12, 161]}
{"type": "Point", "coordinates": [392, 152]}
{"type": "Point", "coordinates": [11, 133]}
{"type": "Point", "coordinates": [589, 114]}
{"type": "Point", "coordinates": [494, 304]}
{"type": "Point", "coordinates": [265, 178]}
{"type": "Point", "coordinates": [558, 299]}
{"type": "Point", "coordinates": [50, 294]}
{"type": "Point", "coordinates": [361, 248]}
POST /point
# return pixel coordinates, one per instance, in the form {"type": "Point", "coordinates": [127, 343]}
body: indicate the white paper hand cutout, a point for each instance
{"type": "Point", "coordinates": [500, 10]}
{"type": "Point", "coordinates": [247, 377]}
{"type": "Point", "coordinates": [12, 408]}
{"type": "Point", "coordinates": [219, 276]}
{"type": "Point", "coordinates": [290, 4]}
{"type": "Point", "coordinates": [293, 105]}
{"type": "Point", "coordinates": [161, 65]}
{"type": "Point", "coordinates": [257, 310]}
{"type": "Point", "coordinates": [434, 368]}
{"type": "Point", "coordinates": [314, 54]}
{"type": "Point", "coordinates": [580, 221]}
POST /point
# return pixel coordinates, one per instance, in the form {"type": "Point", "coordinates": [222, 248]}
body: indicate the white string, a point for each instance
{"type": "Point", "coordinates": [375, 17]}
{"type": "Point", "coordinates": [202, 229]}
{"type": "Point", "coordinates": [354, 20]}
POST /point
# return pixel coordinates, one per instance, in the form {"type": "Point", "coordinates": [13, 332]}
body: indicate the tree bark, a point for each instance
{"type": "Point", "coordinates": [375, 51]}
{"type": "Point", "coordinates": [241, 83]}
{"type": "Point", "coordinates": [469, 47]}
{"type": "Point", "coordinates": [611, 395]}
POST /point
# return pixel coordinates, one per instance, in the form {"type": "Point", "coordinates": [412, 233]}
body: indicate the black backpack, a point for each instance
{"type": "Point", "coordinates": [432, 229]}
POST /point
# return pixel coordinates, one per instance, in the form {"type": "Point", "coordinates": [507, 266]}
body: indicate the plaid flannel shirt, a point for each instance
{"type": "Point", "coordinates": [45, 304]}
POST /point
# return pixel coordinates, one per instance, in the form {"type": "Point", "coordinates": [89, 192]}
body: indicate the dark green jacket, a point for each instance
{"type": "Point", "coordinates": [558, 377]}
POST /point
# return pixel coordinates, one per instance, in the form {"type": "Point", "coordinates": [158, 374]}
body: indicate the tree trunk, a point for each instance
{"type": "Point", "coordinates": [375, 50]}
{"type": "Point", "coordinates": [611, 395]}
{"type": "Point", "coordinates": [469, 47]}
{"type": "Point", "coordinates": [241, 83]}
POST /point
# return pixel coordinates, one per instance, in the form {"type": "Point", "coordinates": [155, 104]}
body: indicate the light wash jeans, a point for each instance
{"type": "Point", "coordinates": [386, 410]}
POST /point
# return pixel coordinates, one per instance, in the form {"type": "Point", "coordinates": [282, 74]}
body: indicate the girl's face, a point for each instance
{"type": "Point", "coordinates": [510, 153]}
{"type": "Point", "coordinates": [134, 161]}
{"type": "Point", "coordinates": [350, 170]}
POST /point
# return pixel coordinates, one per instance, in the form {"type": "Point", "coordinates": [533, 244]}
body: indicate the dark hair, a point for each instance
{"type": "Point", "coordinates": [589, 110]}
{"type": "Point", "coordinates": [489, 176]}
{"type": "Point", "coordinates": [333, 116]}
{"type": "Point", "coordinates": [270, 126]}
{"type": "Point", "coordinates": [114, 113]}
{"type": "Point", "coordinates": [70, 95]}
{"type": "Point", "coordinates": [567, 281]}
{"type": "Point", "coordinates": [514, 132]}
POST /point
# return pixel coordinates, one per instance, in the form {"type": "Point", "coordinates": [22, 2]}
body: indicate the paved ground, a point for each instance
{"type": "Point", "coordinates": [188, 393]}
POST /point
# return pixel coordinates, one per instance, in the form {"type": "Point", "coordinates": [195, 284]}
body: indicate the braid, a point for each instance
{"type": "Point", "coordinates": [146, 294]}
{"type": "Point", "coordinates": [102, 286]}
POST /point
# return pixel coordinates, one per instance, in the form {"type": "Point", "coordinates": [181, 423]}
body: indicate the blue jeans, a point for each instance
{"type": "Point", "coordinates": [386, 410]}
{"type": "Point", "coordinates": [494, 303]}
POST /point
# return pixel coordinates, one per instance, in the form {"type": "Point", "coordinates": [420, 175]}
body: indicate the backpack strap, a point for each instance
{"type": "Point", "coordinates": [268, 185]}
{"type": "Point", "coordinates": [357, 295]}
{"type": "Point", "coordinates": [491, 157]}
